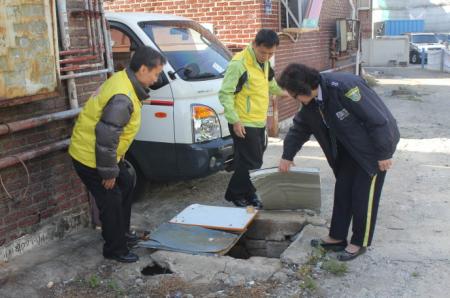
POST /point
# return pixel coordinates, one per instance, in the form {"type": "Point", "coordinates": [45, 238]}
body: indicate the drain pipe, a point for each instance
{"type": "Point", "coordinates": [107, 41]}
{"type": "Point", "coordinates": [12, 160]}
{"type": "Point", "coordinates": [11, 127]}
{"type": "Point", "coordinates": [63, 27]}
{"type": "Point", "coordinates": [358, 53]}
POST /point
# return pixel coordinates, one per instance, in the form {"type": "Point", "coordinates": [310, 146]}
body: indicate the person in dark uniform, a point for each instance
{"type": "Point", "coordinates": [103, 132]}
{"type": "Point", "coordinates": [358, 135]}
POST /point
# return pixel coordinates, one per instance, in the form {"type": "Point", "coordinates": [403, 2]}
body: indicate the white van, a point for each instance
{"type": "Point", "coordinates": [184, 133]}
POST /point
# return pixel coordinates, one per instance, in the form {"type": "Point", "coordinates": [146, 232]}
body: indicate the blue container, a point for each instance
{"type": "Point", "coordinates": [398, 27]}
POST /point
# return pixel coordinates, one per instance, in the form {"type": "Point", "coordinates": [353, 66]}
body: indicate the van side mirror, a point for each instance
{"type": "Point", "coordinates": [161, 82]}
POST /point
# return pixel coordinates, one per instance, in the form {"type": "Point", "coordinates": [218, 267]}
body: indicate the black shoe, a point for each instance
{"type": "Point", "coordinates": [254, 201]}
{"type": "Point", "coordinates": [338, 246]}
{"type": "Point", "coordinates": [348, 256]}
{"type": "Point", "coordinates": [125, 258]}
{"type": "Point", "coordinates": [241, 203]}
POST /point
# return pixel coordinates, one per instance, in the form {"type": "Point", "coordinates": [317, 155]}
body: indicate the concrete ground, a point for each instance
{"type": "Point", "coordinates": [410, 256]}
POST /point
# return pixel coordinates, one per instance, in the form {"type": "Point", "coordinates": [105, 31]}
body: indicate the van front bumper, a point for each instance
{"type": "Point", "coordinates": [165, 161]}
{"type": "Point", "coordinates": [202, 159]}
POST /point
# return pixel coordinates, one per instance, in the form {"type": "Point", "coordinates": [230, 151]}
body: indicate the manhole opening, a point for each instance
{"type": "Point", "coordinates": [155, 270]}
{"type": "Point", "coordinates": [266, 238]}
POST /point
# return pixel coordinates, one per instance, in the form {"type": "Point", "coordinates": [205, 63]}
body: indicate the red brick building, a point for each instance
{"type": "Point", "coordinates": [236, 23]}
{"type": "Point", "coordinates": [42, 198]}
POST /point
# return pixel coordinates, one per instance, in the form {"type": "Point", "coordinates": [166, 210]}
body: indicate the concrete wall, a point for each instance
{"type": "Point", "coordinates": [378, 52]}
{"type": "Point", "coordinates": [436, 13]}
{"type": "Point", "coordinates": [237, 22]}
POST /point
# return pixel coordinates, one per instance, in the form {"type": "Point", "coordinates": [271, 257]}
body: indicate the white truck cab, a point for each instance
{"type": "Point", "coordinates": [183, 133]}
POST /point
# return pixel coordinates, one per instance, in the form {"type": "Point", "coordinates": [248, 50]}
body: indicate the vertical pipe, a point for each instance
{"type": "Point", "coordinates": [88, 25]}
{"type": "Point", "coordinates": [92, 24]}
{"type": "Point", "coordinates": [107, 38]}
{"type": "Point", "coordinates": [422, 58]}
{"type": "Point", "coordinates": [63, 27]}
{"type": "Point", "coordinates": [98, 23]}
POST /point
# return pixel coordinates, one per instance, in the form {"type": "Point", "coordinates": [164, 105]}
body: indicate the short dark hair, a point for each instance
{"type": "Point", "coordinates": [146, 56]}
{"type": "Point", "coordinates": [267, 38]}
{"type": "Point", "coordinates": [299, 79]}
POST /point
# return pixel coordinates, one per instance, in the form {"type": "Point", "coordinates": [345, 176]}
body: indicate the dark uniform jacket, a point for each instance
{"type": "Point", "coordinates": [354, 115]}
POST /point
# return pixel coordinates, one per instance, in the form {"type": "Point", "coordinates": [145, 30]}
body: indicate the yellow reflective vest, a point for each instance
{"type": "Point", "coordinates": [82, 145]}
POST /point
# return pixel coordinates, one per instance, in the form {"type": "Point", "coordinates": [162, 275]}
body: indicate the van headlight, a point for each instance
{"type": "Point", "coordinates": [205, 124]}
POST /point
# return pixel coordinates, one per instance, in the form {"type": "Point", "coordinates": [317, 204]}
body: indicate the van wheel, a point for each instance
{"type": "Point", "coordinates": [415, 58]}
{"type": "Point", "coordinates": [139, 180]}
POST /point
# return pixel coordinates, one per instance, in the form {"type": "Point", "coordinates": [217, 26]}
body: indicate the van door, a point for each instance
{"type": "Point", "coordinates": [156, 136]}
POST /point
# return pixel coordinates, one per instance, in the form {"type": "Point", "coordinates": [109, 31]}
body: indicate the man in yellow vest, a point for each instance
{"type": "Point", "coordinates": [102, 135]}
{"type": "Point", "coordinates": [248, 81]}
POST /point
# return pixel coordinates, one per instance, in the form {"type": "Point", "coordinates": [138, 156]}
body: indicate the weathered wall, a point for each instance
{"type": "Point", "coordinates": [436, 13]}
{"type": "Point", "coordinates": [55, 197]}
{"type": "Point", "coordinates": [27, 60]}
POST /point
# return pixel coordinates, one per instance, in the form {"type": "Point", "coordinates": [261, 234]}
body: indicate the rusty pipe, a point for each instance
{"type": "Point", "coordinates": [77, 59]}
{"type": "Point", "coordinates": [93, 29]}
{"type": "Point", "coordinates": [84, 74]}
{"type": "Point", "coordinates": [27, 155]}
{"type": "Point", "coordinates": [74, 51]}
{"type": "Point", "coordinates": [107, 40]}
{"type": "Point", "coordinates": [81, 66]}
{"type": "Point", "coordinates": [15, 126]}
{"type": "Point", "coordinates": [88, 25]}
{"type": "Point", "coordinates": [98, 22]}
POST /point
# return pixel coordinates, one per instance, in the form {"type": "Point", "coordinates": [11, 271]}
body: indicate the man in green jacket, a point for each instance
{"type": "Point", "coordinates": [248, 81]}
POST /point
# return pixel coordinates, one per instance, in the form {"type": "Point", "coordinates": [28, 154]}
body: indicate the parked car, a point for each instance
{"type": "Point", "coordinates": [419, 42]}
{"type": "Point", "coordinates": [184, 133]}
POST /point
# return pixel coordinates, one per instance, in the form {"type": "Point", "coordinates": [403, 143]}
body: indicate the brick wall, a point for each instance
{"type": "Point", "coordinates": [365, 17]}
{"type": "Point", "coordinates": [54, 191]}
{"type": "Point", "coordinates": [236, 23]}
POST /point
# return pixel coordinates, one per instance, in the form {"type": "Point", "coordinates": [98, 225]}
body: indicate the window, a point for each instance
{"type": "Point", "coordinates": [300, 14]}
{"type": "Point", "coordinates": [363, 4]}
{"type": "Point", "coordinates": [191, 51]}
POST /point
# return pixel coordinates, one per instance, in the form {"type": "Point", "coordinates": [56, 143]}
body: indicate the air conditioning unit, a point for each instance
{"type": "Point", "coordinates": [363, 4]}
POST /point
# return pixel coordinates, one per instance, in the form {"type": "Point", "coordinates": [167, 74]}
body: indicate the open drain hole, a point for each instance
{"type": "Point", "coordinates": [155, 270]}
{"type": "Point", "coordinates": [266, 238]}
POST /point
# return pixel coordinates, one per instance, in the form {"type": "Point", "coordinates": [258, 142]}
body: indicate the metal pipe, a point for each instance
{"type": "Point", "coordinates": [27, 155]}
{"type": "Point", "coordinates": [88, 25]}
{"type": "Point", "coordinates": [74, 51]}
{"type": "Point", "coordinates": [6, 128]}
{"type": "Point", "coordinates": [92, 22]}
{"type": "Point", "coordinates": [97, 18]}
{"type": "Point", "coordinates": [107, 39]}
{"type": "Point", "coordinates": [84, 74]}
{"type": "Point", "coordinates": [77, 59]}
{"type": "Point", "coordinates": [81, 66]}
{"type": "Point", "coordinates": [63, 27]}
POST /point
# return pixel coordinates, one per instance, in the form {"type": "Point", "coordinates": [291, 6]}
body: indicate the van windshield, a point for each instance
{"type": "Point", "coordinates": [193, 52]}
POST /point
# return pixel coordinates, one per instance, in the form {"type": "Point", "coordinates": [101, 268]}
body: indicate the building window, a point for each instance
{"type": "Point", "coordinates": [302, 14]}
{"type": "Point", "coordinates": [363, 4]}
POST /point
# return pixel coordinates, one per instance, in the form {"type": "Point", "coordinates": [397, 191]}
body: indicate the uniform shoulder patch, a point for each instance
{"type": "Point", "coordinates": [353, 94]}
{"type": "Point", "coordinates": [334, 84]}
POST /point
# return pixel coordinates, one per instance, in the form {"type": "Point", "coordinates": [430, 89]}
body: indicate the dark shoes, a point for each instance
{"type": "Point", "coordinates": [125, 258]}
{"type": "Point", "coordinates": [348, 256]}
{"type": "Point", "coordinates": [254, 201]}
{"type": "Point", "coordinates": [338, 246]}
{"type": "Point", "coordinates": [251, 201]}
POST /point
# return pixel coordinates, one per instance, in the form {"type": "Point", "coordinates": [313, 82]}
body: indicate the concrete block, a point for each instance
{"type": "Point", "coordinates": [275, 248]}
{"type": "Point", "coordinates": [297, 189]}
{"type": "Point", "coordinates": [299, 251]}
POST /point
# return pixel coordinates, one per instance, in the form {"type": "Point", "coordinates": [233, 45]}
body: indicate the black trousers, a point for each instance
{"type": "Point", "coordinates": [248, 155]}
{"type": "Point", "coordinates": [114, 205]}
{"type": "Point", "coordinates": [356, 198]}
